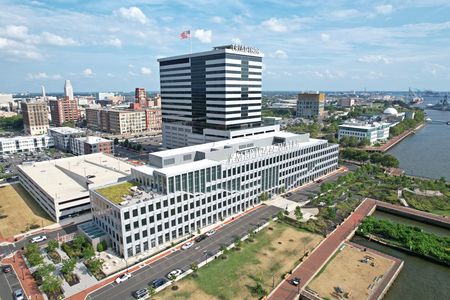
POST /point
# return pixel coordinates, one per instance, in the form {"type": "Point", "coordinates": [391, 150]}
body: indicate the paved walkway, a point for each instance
{"type": "Point", "coordinates": [317, 259]}
{"type": "Point", "coordinates": [23, 274]}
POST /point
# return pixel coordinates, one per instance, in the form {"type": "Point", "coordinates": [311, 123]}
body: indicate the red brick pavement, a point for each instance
{"type": "Point", "coordinates": [317, 259]}
{"type": "Point", "coordinates": [23, 274]}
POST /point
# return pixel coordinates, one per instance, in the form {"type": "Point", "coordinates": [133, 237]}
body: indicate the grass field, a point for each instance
{"type": "Point", "coordinates": [114, 193]}
{"type": "Point", "coordinates": [19, 211]}
{"type": "Point", "coordinates": [267, 259]}
{"type": "Point", "coordinates": [346, 271]}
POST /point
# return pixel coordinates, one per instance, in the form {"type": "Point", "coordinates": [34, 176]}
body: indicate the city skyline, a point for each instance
{"type": "Point", "coordinates": [334, 45]}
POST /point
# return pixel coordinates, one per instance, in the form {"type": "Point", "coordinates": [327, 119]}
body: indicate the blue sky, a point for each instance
{"type": "Point", "coordinates": [106, 45]}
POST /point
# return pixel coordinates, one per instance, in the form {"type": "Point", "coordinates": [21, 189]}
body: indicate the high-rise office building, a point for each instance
{"type": "Point", "coordinates": [211, 96]}
{"type": "Point", "coordinates": [140, 96]}
{"type": "Point", "coordinates": [68, 89]}
{"type": "Point", "coordinates": [64, 110]}
{"type": "Point", "coordinates": [35, 117]}
{"type": "Point", "coordinates": [310, 105]}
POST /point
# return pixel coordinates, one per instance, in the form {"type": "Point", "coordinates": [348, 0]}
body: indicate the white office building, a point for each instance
{"type": "Point", "coordinates": [374, 132]}
{"type": "Point", "coordinates": [20, 144]}
{"type": "Point", "coordinates": [63, 136]}
{"type": "Point", "coordinates": [185, 189]}
{"type": "Point", "coordinates": [211, 96]}
{"type": "Point", "coordinates": [68, 90]}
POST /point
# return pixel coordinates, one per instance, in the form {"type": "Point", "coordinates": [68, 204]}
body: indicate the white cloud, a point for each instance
{"type": "Point", "coordinates": [280, 54]}
{"type": "Point", "coordinates": [16, 32]}
{"type": "Point", "coordinates": [236, 40]}
{"type": "Point", "coordinates": [204, 36]}
{"type": "Point", "coordinates": [131, 66]}
{"type": "Point", "coordinates": [15, 49]}
{"type": "Point", "coordinates": [110, 75]}
{"type": "Point", "coordinates": [435, 69]}
{"type": "Point", "coordinates": [133, 13]}
{"type": "Point", "coordinates": [42, 76]}
{"type": "Point", "coordinates": [146, 71]}
{"type": "Point", "coordinates": [345, 14]}
{"type": "Point", "coordinates": [325, 37]}
{"type": "Point", "coordinates": [57, 40]}
{"type": "Point", "coordinates": [115, 42]}
{"type": "Point", "coordinates": [384, 9]}
{"type": "Point", "coordinates": [88, 73]}
{"type": "Point", "coordinates": [375, 59]}
{"type": "Point", "coordinates": [217, 19]}
{"type": "Point", "coordinates": [275, 25]}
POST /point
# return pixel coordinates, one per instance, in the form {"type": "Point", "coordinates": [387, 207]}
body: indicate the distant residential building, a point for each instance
{"type": "Point", "coordinates": [284, 104]}
{"type": "Point", "coordinates": [271, 120]}
{"type": "Point", "coordinates": [68, 90]}
{"type": "Point", "coordinates": [346, 102]}
{"type": "Point", "coordinates": [104, 95]}
{"type": "Point", "coordinates": [186, 189]}
{"type": "Point", "coordinates": [20, 144]}
{"type": "Point", "coordinates": [109, 99]}
{"type": "Point", "coordinates": [140, 96]}
{"type": "Point", "coordinates": [7, 114]}
{"type": "Point", "coordinates": [61, 186]}
{"type": "Point", "coordinates": [373, 132]}
{"type": "Point", "coordinates": [310, 105]}
{"type": "Point", "coordinates": [91, 144]}
{"type": "Point", "coordinates": [35, 117]}
{"type": "Point", "coordinates": [116, 121]}
{"type": "Point", "coordinates": [153, 119]}
{"type": "Point", "coordinates": [5, 99]}
{"type": "Point", "coordinates": [64, 110]}
{"type": "Point", "coordinates": [63, 136]}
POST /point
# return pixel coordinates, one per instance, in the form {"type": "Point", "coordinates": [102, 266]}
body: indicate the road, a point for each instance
{"type": "Point", "coordinates": [184, 258]}
{"type": "Point", "coordinates": [8, 284]}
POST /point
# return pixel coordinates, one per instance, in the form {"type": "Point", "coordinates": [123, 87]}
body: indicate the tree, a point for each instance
{"type": "Point", "coordinates": [88, 252]}
{"type": "Point", "coordinates": [68, 266]}
{"type": "Point", "coordinates": [45, 270]}
{"type": "Point", "coordinates": [35, 258]}
{"type": "Point", "coordinates": [102, 246]}
{"type": "Point", "coordinates": [194, 267]}
{"type": "Point", "coordinates": [78, 242]}
{"type": "Point", "coordinates": [237, 241]}
{"type": "Point", "coordinates": [52, 245]}
{"type": "Point", "coordinates": [364, 142]}
{"type": "Point", "coordinates": [264, 196]}
{"type": "Point", "coordinates": [298, 213]}
{"type": "Point", "coordinates": [116, 141]}
{"type": "Point", "coordinates": [95, 264]}
{"type": "Point", "coordinates": [280, 215]}
{"type": "Point", "coordinates": [51, 284]}
{"type": "Point", "coordinates": [151, 290]}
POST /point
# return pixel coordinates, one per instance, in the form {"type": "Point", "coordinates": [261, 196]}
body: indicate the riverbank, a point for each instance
{"type": "Point", "coordinates": [394, 141]}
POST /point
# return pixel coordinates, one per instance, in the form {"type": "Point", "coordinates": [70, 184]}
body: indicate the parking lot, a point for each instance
{"type": "Point", "coordinates": [8, 284]}
{"type": "Point", "coordinates": [149, 144]}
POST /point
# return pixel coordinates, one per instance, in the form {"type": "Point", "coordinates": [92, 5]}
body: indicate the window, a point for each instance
{"type": "Point", "coordinates": [135, 212]}
{"type": "Point", "coordinates": [126, 215]}
{"type": "Point", "coordinates": [127, 227]}
{"type": "Point", "coordinates": [142, 210]}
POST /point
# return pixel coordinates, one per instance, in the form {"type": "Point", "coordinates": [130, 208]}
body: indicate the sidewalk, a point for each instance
{"type": "Point", "coordinates": [83, 294]}
{"type": "Point", "coordinates": [23, 274]}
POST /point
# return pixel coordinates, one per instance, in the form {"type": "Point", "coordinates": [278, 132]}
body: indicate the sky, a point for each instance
{"type": "Point", "coordinates": [107, 45]}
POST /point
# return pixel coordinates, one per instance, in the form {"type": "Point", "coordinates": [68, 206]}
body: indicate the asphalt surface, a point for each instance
{"type": "Point", "coordinates": [8, 284]}
{"type": "Point", "coordinates": [312, 189]}
{"type": "Point", "coordinates": [182, 259]}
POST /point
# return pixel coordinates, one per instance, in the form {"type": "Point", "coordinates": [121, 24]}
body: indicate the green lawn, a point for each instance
{"type": "Point", "coordinates": [433, 204]}
{"type": "Point", "coordinates": [114, 193]}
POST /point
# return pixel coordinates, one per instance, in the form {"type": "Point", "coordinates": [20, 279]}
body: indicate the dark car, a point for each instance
{"type": "Point", "coordinates": [158, 282]}
{"type": "Point", "coordinates": [200, 238]}
{"type": "Point", "coordinates": [6, 269]}
{"type": "Point", "coordinates": [295, 281]}
{"type": "Point", "coordinates": [141, 293]}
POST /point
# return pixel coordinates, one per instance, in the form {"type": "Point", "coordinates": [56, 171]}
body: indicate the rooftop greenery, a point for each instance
{"type": "Point", "coordinates": [115, 192]}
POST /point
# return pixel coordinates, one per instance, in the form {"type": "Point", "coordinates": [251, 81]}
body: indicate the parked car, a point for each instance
{"type": "Point", "coordinates": [187, 245]}
{"type": "Point", "coordinates": [176, 273]}
{"type": "Point", "coordinates": [201, 238]}
{"type": "Point", "coordinates": [295, 281]}
{"type": "Point", "coordinates": [141, 293]}
{"type": "Point", "coordinates": [6, 269]}
{"type": "Point", "coordinates": [38, 239]}
{"type": "Point", "coordinates": [123, 277]}
{"type": "Point", "coordinates": [210, 233]}
{"type": "Point", "coordinates": [158, 282]}
{"type": "Point", "coordinates": [18, 294]}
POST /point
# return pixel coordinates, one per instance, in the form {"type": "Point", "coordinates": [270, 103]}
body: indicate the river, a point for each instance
{"type": "Point", "coordinates": [427, 153]}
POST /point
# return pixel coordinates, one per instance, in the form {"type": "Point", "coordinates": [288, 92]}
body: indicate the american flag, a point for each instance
{"type": "Point", "coordinates": [185, 35]}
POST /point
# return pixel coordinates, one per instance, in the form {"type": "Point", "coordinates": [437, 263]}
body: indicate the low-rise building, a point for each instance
{"type": "Point", "coordinates": [64, 110]}
{"type": "Point", "coordinates": [310, 105]}
{"type": "Point", "coordinates": [91, 144]}
{"type": "Point", "coordinates": [61, 187]}
{"type": "Point", "coordinates": [35, 117]}
{"type": "Point", "coordinates": [20, 144]}
{"type": "Point", "coordinates": [185, 189]}
{"type": "Point", "coordinates": [373, 132]}
{"type": "Point", "coordinates": [63, 136]}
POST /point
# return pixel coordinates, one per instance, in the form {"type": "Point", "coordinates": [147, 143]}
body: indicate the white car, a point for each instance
{"type": "Point", "coordinates": [187, 245]}
{"type": "Point", "coordinates": [18, 294]}
{"type": "Point", "coordinates": [38, 239]}
{"type": "Point", "coordinates": [123, 277]}
{"type": "Point", "coordinates": [211, 232]}
{"type": "Point", "coordinates": [176, 273]}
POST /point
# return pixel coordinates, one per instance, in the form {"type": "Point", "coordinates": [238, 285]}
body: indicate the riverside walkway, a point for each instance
{"type": "Point", "coordinates": [345, 231]}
